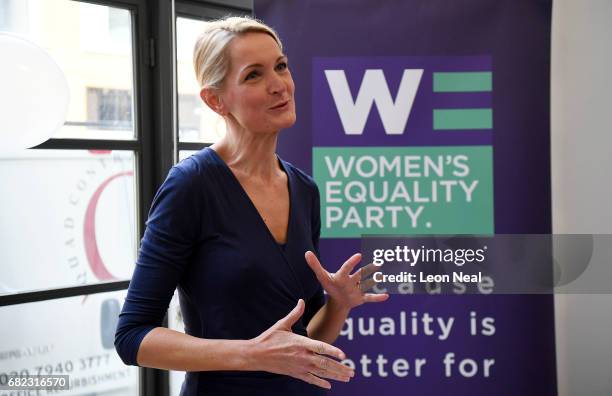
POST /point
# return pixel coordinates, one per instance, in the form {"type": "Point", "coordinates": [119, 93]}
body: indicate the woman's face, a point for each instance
{"type": "Point", "coordinates": [258, 90]}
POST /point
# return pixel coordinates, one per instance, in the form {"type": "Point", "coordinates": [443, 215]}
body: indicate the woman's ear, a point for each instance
{"type": "Point", "coordinates": [211, 97]}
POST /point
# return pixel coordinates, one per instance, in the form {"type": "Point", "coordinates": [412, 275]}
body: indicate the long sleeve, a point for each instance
{"type": "Point", "coordinates": [172, 230]}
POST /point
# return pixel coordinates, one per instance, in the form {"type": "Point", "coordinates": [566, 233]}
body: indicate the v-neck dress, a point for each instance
{"type": "Point", "coordinates": [205, 238]}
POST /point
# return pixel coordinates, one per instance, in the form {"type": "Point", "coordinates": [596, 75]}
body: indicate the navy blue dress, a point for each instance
{"type": "Point", "coordinates": [205, 238]}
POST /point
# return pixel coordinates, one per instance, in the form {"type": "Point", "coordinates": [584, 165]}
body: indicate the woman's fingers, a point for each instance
{"type": "Point", "coordinates": [279, 350]}
{"type": "Point", "coordinates": [312, 379]}
{"type": "Point", "coordinates": [367, 284]}
{"type": "Point", "coordinates": [314, 264]}
{"type": "Point", "coordinates": [350, 264]}
{"type": "Point", "coordinates": [324, 367]}
{"type": "Point", "coordinates": [292, 316]}
{"type": "Point", "coordinates": [323, 348]}
{"type": "Point", "coordinates": [368, 270]}
{"type": "Point", "coordinates": [371, 297]}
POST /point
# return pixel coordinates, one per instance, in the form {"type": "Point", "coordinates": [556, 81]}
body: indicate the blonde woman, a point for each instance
{"type": "Point", "coordinates": [234, 228]}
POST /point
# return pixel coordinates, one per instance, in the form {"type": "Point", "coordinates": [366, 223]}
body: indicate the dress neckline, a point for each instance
{"type": "Point", "coordinates": [244, 194]}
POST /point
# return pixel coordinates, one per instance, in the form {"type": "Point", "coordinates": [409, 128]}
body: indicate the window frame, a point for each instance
{"type": "Point", "coordinates": [138, 146]}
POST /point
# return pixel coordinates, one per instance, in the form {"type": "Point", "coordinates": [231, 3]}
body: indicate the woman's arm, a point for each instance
{"type": "Point", "coordinates": [327, 323]}
{"type": "Point", "coordinates": [168, 349]}
{"type": "Point", "coordinates": [277, 350]}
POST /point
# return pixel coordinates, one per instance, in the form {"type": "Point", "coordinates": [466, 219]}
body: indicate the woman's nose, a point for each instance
{"type": "Point", "coordinates": [276, 85]}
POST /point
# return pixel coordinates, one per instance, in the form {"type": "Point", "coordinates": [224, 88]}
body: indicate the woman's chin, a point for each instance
{"type": "Point", "coordinates": [285, 122]}
{"type": "Point", "coordinates": [273, 125]}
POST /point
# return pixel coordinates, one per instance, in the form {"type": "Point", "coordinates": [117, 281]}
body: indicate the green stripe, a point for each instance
{"type": "Point", "coordinates": [463, 118]}
{"type": "Point", "coordinates": [463, 82]}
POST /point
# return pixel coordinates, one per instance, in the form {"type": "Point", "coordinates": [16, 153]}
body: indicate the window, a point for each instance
{"type": "Point", "coordinates": [109, 108]}
{"type": "Point", "coordinates": [70, 220]}
{"type": "Point", "coordinates": [14, 17]}
{"type": "Point", "coordinates": [197, 122]}
{"type": "Point", "coordinates": [58, 347]}
{"type": "Point", "coordinates": [103, 30]}
{"type": "Point", "coordinates": [74, 207]}
{"type": "Point", "coordinates": [73, 220]}
{"type": "Point", "coordinates": [190, 113]}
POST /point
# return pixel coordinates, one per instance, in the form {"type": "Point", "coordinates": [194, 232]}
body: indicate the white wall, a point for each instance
{"type": "Point", "coordinates": [581, 87]}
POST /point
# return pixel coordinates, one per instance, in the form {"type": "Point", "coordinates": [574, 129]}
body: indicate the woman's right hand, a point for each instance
{"type": "Point", "coordinates": [279, 350]}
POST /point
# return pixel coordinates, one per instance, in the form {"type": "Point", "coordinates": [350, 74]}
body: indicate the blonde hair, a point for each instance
{"type": "Point", "coordinates": [210, 58]}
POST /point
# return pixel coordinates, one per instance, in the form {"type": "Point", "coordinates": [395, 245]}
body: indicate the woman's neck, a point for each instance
{"type": "Point", "coordinates": [252, 154]}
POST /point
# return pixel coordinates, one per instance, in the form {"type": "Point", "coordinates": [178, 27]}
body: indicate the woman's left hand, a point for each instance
{"type": "Point", "coordinates": [342, 286]}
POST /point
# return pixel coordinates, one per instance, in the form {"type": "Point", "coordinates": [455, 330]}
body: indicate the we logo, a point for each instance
{"type": "Point", "coordinates": [401, 100]}
{"type": "Point", "coordinates": [403, 145]}
{"type": "Point", "coordinates": [394, 112]}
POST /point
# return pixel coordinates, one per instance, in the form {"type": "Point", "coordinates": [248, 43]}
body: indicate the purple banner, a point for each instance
{"type": "Point", "coordinates": [452, 93]}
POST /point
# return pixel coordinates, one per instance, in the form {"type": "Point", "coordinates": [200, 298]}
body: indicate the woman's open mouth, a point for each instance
{"type": "Point", "coordinates": [281, 106]}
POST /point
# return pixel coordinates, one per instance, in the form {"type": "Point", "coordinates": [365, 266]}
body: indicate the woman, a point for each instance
{"type": "Point", "coordinates": [234, 228]}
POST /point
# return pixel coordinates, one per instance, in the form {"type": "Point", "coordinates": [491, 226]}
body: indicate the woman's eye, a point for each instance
{"type": "Point", "coordinates": [250, 75]}
{"type": "Point", "coordinates": [282, 66]}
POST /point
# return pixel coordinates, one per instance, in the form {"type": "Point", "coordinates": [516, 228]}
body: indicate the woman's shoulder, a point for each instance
{"type": "Point", "coordinates": [200, 165]}
{"type": "Point", "coordinates": [196, 175]}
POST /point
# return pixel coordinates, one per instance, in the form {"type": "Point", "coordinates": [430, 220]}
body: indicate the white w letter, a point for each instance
{"type": "Point", "coordinates": [374, 88]}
